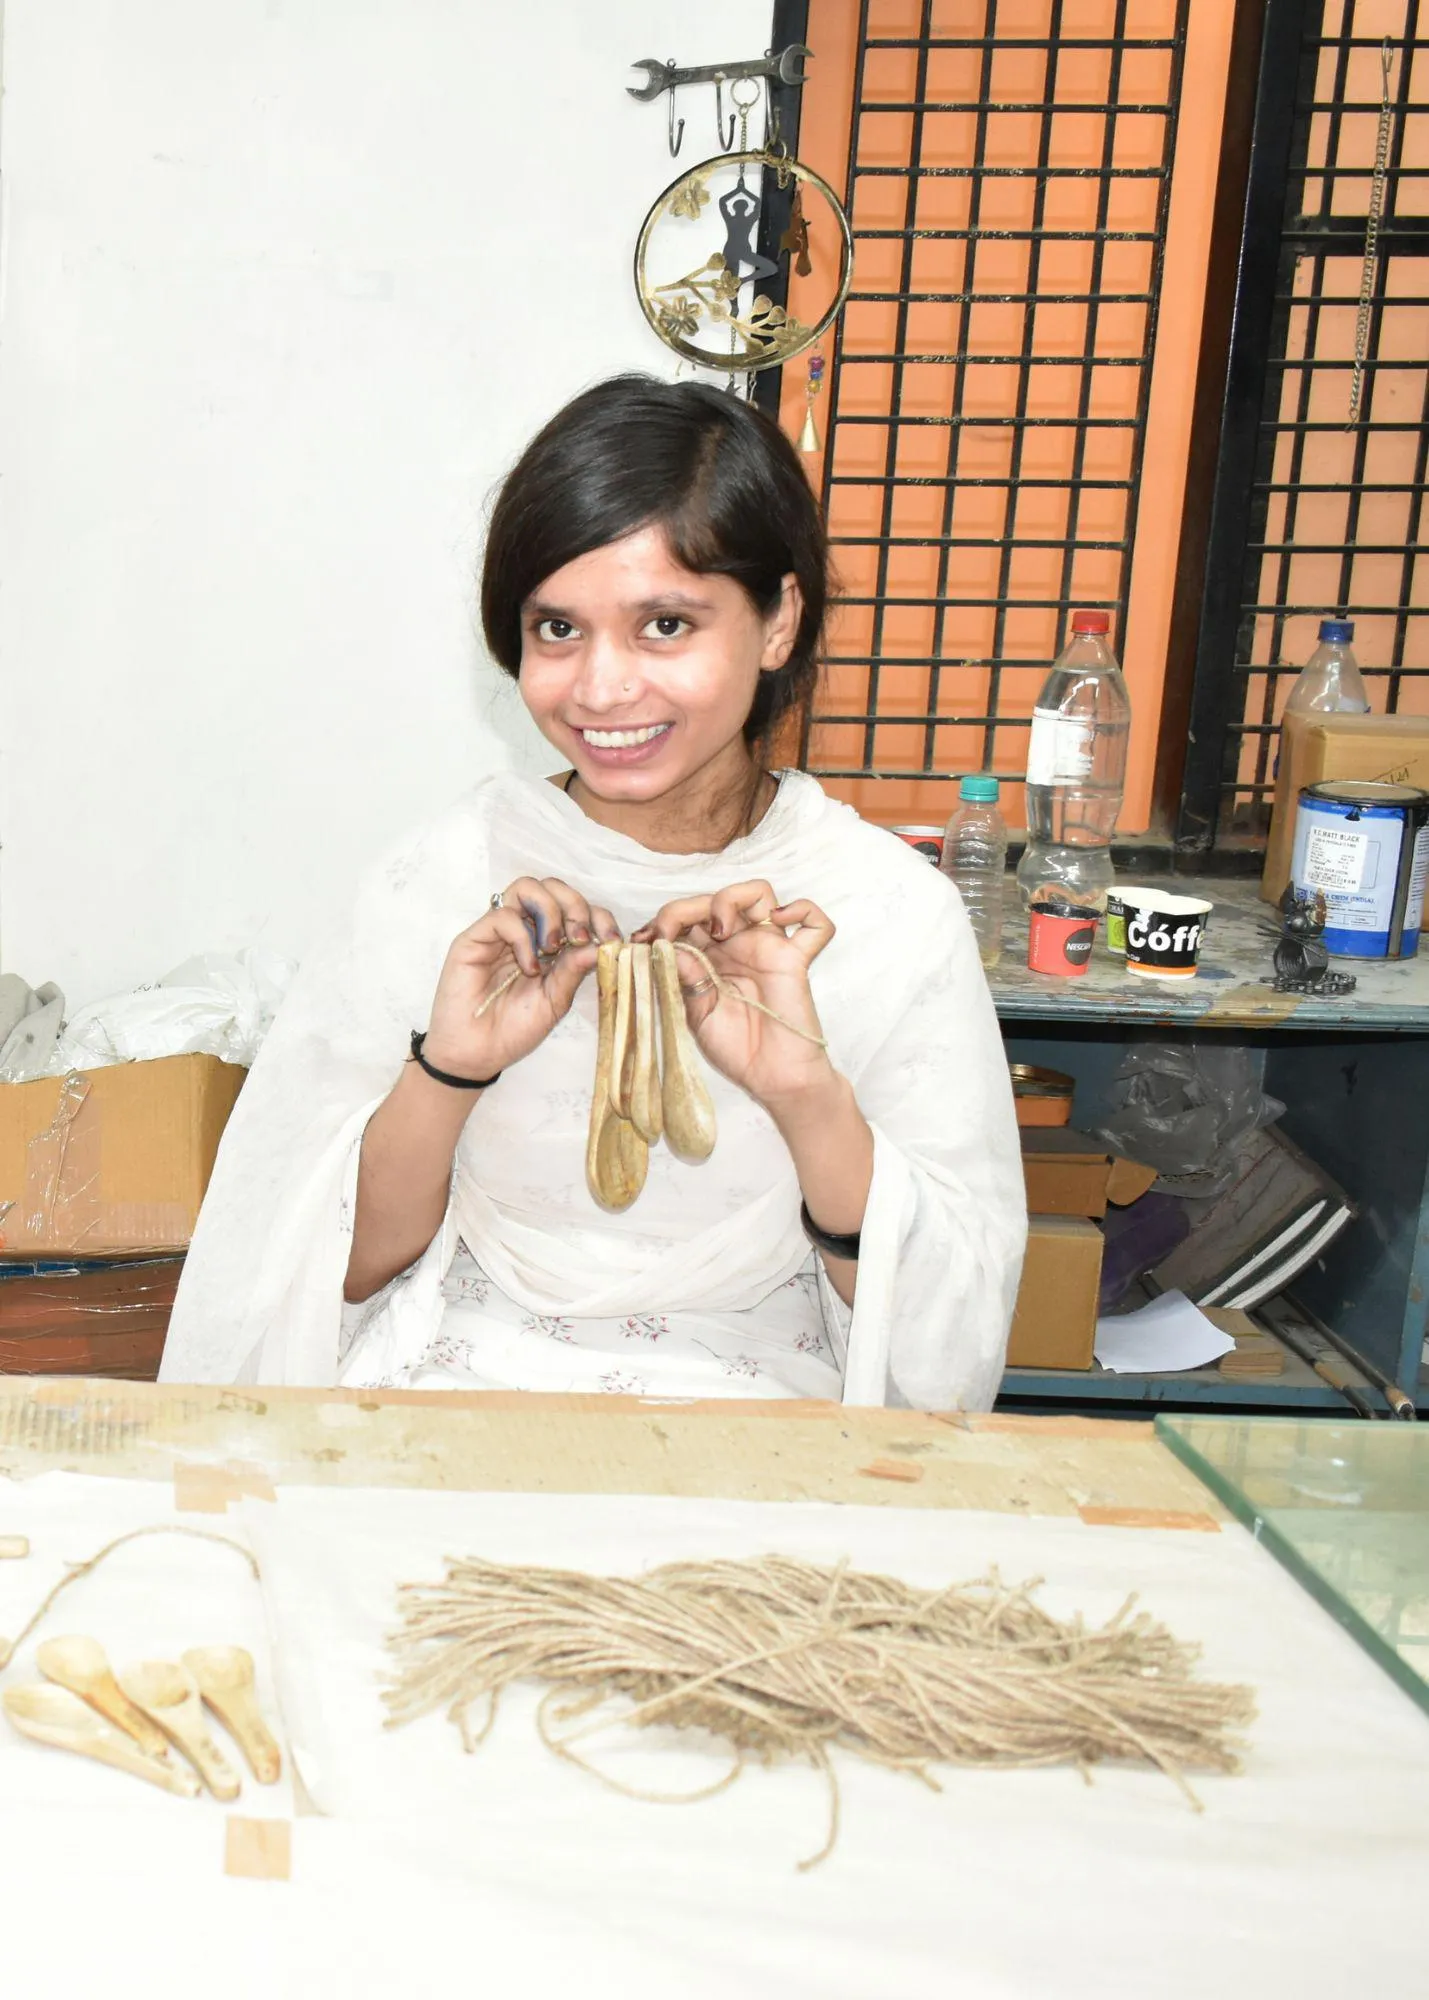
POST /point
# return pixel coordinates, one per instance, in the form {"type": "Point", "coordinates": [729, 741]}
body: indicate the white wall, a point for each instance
{"type": "Point", "coordinates": [286, 284]}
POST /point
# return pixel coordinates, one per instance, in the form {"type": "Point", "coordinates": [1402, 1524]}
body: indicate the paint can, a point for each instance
{"type": "Point", "coordinates": [925, 840]}
{"type": "Point", "coordinates": [1364, 846]}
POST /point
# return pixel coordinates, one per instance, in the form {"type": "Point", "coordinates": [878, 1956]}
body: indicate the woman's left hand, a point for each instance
{"type": "Point", "coordinates": [763, 949]}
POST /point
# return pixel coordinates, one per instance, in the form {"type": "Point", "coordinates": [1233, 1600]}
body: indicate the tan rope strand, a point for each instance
{"type": "Point", "coordinates": [8, 1648]}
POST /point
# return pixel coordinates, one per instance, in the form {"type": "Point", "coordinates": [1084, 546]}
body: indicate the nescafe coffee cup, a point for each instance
{"type": "Point", "coordinates": [1060, 936]}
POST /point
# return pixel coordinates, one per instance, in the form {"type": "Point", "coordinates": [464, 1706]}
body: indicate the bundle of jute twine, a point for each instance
{"type": "Point", "coordinates": [783, 1658]}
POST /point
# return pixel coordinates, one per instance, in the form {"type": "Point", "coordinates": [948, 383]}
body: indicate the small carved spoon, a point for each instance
{"type": "Point", "coordinates": [54, 1716]}
{"type": "Point", "coordinates": [167, 1695]}
{"type": "Point", "coordinates": [79, 1664]}
{"type": "Point", "coordinates": [224, 1677]}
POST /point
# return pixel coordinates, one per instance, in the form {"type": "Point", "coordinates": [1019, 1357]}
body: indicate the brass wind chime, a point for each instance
{"type": "Point", "coordinates": [707, 265]}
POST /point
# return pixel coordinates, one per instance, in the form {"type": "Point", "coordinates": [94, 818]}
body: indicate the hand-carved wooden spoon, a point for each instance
{"type": "Point", "coordinates": [224, 1677]}
{"type": "Point", "coordinates": [79, 1664]}
{"type": "Point", "coordinates": [55, 1716]}
{"type": "Point", "coordinates": [166, 1693]}
{"type": "Point", "coordinates": [689, 1113]}
{"type": "Point", "coordinates": [616, 1155]}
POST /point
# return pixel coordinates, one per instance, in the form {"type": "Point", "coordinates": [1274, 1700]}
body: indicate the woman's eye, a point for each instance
{"type": "Point", "coordinates": [554, 629]}
{"type": "Point", "coordinates": [668, 626]}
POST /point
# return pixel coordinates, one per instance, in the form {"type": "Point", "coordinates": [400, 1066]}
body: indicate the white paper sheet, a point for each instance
{"type": "Point", "coordinates": [1160, 1338]}
{"type": "Point", "coordinates": [509, 1870]}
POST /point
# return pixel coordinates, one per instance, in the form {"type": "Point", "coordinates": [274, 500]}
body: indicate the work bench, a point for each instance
{"type": "Point", "coordinates": [1353, 1074]}
{"type": "Point", "coordinates": [384, 1859]}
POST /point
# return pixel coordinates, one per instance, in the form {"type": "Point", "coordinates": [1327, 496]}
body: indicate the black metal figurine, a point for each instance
{"type": "Point", "coordinates": [1302, 964]}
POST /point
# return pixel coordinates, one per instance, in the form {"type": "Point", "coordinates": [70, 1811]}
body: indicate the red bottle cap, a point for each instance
{"type": "Point", "coordinates": [1090, 621]}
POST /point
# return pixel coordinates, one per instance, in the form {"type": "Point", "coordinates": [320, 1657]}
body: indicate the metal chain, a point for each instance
{"type": "Point", "coordinates": [1371, 235]}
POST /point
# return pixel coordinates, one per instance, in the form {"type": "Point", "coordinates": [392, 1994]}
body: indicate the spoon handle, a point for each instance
{"type": "Point", "coordinates": [237, 1709]}
{"type": "Point", "coordinates": [187, 1729]}
{"type": "Point", "coordinates": [109, 1700]}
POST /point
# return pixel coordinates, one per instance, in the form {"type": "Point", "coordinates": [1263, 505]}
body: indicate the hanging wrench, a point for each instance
{"type": "Point", "coordinates": [786, 68]}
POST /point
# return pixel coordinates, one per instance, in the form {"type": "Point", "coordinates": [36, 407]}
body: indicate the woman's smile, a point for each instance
{"type": "Point", "coordinates": [624, 746]}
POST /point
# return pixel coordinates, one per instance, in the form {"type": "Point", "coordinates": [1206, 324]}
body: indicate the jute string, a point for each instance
{"type": "Point", "coordinates": [9, 1647]}
{"type": "Point", "coordinates": [722, 986]}
{"type": "Point", "coordinates": [782, 1658]}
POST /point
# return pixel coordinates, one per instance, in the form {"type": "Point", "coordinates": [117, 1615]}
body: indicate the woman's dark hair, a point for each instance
{"type": "Point", "coordinates": [721, 480]}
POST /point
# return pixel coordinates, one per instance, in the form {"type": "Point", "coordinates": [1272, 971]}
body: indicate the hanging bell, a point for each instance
{"type": "Point", "coordinates": [809, 436]}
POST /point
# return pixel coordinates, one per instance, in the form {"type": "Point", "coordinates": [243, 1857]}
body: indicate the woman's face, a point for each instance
{"type": "Point", "coordinates": [642, 673]}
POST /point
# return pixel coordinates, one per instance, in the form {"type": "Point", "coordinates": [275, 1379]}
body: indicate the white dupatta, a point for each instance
{"type": "Point", "coordinates": [909, 1021]}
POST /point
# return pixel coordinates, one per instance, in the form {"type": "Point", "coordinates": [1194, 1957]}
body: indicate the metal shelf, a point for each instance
{"type": "Point", "coordinates": [1231, 991]}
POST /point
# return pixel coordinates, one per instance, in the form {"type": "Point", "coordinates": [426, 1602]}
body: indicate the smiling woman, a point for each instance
{"type": "Point", "coordinates": [655, 580]}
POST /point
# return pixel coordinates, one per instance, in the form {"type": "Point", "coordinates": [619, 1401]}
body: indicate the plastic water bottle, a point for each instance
{"type": "Point", "coordinates": [975, 855]}
{"type": "Point", "coordinates": [1329, 682]}
{"type": "Point", "coordinates": [1076, 768]}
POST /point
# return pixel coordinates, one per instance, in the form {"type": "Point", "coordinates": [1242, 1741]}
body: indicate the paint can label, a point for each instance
{"type": "Point", "coordinates": [1368, 856]}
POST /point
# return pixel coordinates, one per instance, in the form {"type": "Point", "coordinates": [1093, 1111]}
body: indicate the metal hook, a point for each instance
{"type": "Point", "coordinates": [726, 145]}
{"type": "Point", "coordinates": [677, 137]}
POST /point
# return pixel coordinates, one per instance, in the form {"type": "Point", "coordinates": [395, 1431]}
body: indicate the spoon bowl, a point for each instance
{"type": "Point", "coordinates": [78, 1663]}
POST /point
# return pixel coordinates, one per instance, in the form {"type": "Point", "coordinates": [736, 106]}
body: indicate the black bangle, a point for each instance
{"type": "Point", "coordinates": [443, 1076]}
{"type": "Point", "coordinates": [822, 1239]}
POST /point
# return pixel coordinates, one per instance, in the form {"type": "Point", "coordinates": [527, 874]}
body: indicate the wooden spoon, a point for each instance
{"type": "Point", "coordinates": [55, 1716]}
{"type": "Point", "coordinates": [643, 1106]}
{"type": "Point", "coordinates": [79, 1664]}
{"type": "Point", "coordinates": [616, 1156]}
{"type": "Point", "coordinates": [690, 1125]}
{"type": "Point", "coordinates": [166, 1693]}
{"type": "Point", "coordinates": [224, 1677]}
{"type": "Point", "coordinates": [622, 1054]}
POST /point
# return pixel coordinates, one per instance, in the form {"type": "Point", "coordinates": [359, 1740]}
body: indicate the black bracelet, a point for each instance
{"type": "Point", "coordinates": [443, 1076]}
{"type": "Point", "coordinates": [822, 1239]}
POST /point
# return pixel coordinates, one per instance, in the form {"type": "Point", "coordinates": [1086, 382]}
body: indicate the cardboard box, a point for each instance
{"type": "Point", "coordinates": [1068, 1173]}
{"type": "Point", "coordinates": [1055, 1323]}
{"type": "Point", "coordinates": [1393, 749]}
{"type": "Point", "coordinates": [107, 1162]}
{"type": "Point", "coordinates": [96, 1319]}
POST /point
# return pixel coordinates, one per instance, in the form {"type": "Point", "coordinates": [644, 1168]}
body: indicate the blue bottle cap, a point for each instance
{"type": "Point", "coordinates": [980, 791]}
{"type": "Point", "coordinates": [1338, 631]}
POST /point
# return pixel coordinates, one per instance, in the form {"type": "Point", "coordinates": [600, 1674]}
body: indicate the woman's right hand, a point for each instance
{"type": "Point", "coordinates": [497, 944]}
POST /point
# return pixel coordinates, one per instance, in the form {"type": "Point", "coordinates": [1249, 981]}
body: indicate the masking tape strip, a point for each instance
{"type": "Point", "coordinates": [212, 1489]}
{"type": "Point", "coordinates": [61, 1200]}
{"type": "Point", "coordinates": [1252, 1003]}
{"type": "Point", "coordinates": [260, 1850]}
{"type": "Point", "coordinates": [891, 1468]}
{"type": "Point", "coordinates": [1147, 1517]}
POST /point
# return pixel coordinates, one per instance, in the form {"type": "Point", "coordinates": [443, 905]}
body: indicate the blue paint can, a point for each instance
{"type": "Point", "coordinates": [1364, 846]}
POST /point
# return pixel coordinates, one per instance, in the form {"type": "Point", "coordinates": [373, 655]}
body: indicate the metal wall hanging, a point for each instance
{"type": "Point", "coordinates": [701, 276]}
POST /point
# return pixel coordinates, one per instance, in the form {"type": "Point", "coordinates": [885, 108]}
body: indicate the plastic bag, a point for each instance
{"type": "Point", "coordinates": [1184, 1108]}
{"type": "Point", "coordinates": [210, 1005]}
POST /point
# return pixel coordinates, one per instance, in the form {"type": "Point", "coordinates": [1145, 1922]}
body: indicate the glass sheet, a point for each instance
{"type": "Point", "coordinates": [1345, 1507]}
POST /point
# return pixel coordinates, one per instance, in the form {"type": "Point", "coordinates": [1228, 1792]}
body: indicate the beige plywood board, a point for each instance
{"type": "Point", "coordinates": [221, 1443]}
